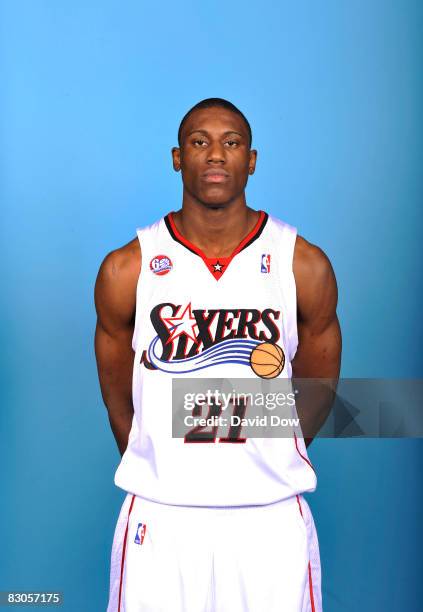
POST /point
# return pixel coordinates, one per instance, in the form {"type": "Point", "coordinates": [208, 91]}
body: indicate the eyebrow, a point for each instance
{"type": "Point", "coordinates": [207, 133]}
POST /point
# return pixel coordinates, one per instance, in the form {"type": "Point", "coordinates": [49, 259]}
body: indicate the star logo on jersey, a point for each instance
{"type": "Point", "coordinates": [183, 324]}
{"type": "Point", "coordinates": [217, 267]}
{"type": "Point", "coordinates": [140, 534]}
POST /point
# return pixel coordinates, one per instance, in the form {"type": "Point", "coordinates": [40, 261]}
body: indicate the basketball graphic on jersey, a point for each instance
{"type": "Point", "coordinates": [267, 360]}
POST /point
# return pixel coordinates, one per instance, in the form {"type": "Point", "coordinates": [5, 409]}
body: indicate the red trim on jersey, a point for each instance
{"type": "Point", "coordinates": [299, 505]}
{"type": "Point", "coordinates": [301, 455]}
{"type": "Point", "coordinates": [124, 551]}
{"type": "Point", "coordinates": [217, 265]}
{"type": "Point", "coordinates": [310, 581]}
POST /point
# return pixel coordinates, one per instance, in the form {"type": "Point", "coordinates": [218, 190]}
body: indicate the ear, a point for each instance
{"type": "Point", "coordinates": [176, 157]}
{"type": "Point", "coordinates": [252, 162]}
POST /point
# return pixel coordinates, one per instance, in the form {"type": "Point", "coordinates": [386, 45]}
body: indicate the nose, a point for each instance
{"type": "Point", "coordinates": [216, 153]}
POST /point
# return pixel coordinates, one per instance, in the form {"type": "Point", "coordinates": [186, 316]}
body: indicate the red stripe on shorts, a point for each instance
{"type": "Point", "coordinates": [310, 581]}
{"type": "Point", "coordinates": [124, 551]}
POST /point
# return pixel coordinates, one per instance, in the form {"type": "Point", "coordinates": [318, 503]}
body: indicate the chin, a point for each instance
{"type": "Point", "coordinates": [214, 198]}
{"type": "Point", "coordinates": [215, 205]}
{"type": "Point", "coordinates": [221, 201]}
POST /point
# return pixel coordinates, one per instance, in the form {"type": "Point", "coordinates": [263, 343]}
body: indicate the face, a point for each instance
{"type": "Point", "coordinates": [215, 157]}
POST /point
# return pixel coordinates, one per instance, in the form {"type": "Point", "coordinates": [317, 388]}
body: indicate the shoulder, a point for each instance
{"type": "Point", "coordinates": [122, 264]}
{"type": "Point", "coordinates": [310, 260]}
{"type": "Point", "coordinates": [314, 277]}
{"type": "Point", "coordinates": [115, 287]}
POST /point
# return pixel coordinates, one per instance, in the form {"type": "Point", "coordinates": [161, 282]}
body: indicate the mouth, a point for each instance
{"type": "Point", "coordinates": [215, 176]}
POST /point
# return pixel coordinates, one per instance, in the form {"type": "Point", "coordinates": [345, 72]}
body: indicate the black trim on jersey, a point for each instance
{"type": "Point", "coordinates": [258, 232]}
{"type": "Point", "coordinates": [174, 236]}
{"type": "Point", "coordinates": [252, 239]}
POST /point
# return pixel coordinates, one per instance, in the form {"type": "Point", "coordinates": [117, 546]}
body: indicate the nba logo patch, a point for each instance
{"type": "Point", "coordinates": [265, 263]}
{"type": "Point", "coordinates": [139, 536]}
{"type": "Point", "coordinates": [160, 265]}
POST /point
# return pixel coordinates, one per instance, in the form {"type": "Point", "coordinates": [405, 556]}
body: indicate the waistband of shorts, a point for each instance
{"type": "Point", "coordinates": [165, 507]}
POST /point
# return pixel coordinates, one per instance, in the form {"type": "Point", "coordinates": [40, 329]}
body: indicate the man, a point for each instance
{"type": "Point", "coordinates": [215, 289]}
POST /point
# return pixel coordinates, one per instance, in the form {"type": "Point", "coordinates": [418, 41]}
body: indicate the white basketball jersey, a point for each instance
{"type": "Point", "coordinates": [202, 317]}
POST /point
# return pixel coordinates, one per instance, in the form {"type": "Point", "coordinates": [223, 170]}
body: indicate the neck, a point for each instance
{"type": "Point", "coordinates": [216, 231]}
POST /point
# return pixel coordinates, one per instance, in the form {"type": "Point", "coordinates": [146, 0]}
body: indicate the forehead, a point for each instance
{"type": "Point", "coordinates": [215, 120]}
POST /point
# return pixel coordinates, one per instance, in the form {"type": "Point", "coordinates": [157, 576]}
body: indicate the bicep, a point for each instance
{"type": "Point", "coordinates": [319, 334]}
{"type": "Point", "coordinates": [114, 297]}
{"type": "Point", "coordinates": [114, 294]}
{"type": "Point", "coordinates": [111, 347]}
{"type": "Point", "coordinates": [319, 353]}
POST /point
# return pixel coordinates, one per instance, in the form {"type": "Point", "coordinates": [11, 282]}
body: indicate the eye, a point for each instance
{"type": "Point", "coordinates": [232, 143]}
{"type": "Point", "coordinates": [199, 141]}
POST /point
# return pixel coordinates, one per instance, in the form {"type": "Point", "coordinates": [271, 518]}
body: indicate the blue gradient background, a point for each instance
{"type": "Point", "coordinates": [91, 99]}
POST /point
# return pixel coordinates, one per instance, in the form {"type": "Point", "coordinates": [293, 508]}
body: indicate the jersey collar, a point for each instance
{"type": "Point", "coordinates": [217, 265]}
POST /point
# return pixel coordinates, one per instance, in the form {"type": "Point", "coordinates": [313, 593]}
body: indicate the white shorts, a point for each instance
{"type": "Point", "coordinates": [234, 559]}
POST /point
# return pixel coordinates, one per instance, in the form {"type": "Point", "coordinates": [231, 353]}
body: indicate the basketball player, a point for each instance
{"type": "Point", "coordinates": [218, 527]}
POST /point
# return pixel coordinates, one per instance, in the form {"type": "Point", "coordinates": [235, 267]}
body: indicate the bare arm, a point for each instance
{"type": "Point", "coordinates": [115, 299]}
{"type": "Point", "coordinates": [319, 335]}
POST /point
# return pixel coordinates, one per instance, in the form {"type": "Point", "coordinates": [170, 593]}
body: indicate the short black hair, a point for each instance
{"type": "Point", "coordinates": [210, 103]}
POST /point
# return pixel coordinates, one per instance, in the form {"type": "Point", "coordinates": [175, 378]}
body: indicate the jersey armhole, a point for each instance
{"type": "Point", "coordinates": [137, 292]}
{"type": "Point", "coordinates": [293, 339]}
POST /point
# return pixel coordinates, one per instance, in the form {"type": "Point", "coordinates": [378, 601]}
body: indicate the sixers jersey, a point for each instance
{"type": "Point", "coordinates": [199, 316]}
